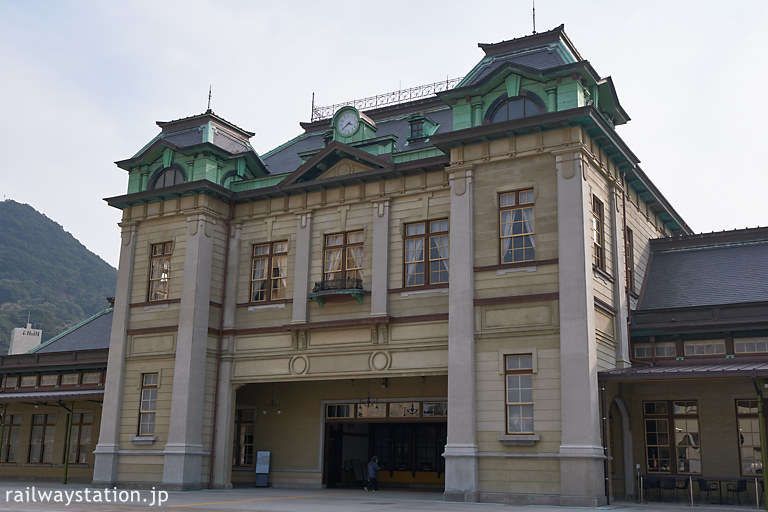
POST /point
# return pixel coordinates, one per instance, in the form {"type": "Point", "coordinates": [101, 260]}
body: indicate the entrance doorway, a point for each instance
{"type": "Point", "coordinates": [408, 436]}
{"type": "Point", "coordinates": [410, 454]}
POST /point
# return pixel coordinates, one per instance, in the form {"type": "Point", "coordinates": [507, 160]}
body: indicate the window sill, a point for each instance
{"type": "Point", "coordinates": [519, 439]}
{"type": "Point", "coordinates": [267, 305]}
{"type": "Point", "coordinates": [248, 469]}
{"type": "Point", "coordinates": [143, 440]}
{"type": "Point", "coordinates": [421, 290]}
{"type": "Point", "coordinates": [602, 274]}
{"type": "Point", "coordinates": [524, 265]}
{"type": "Point", "coordinates": [155, 303]}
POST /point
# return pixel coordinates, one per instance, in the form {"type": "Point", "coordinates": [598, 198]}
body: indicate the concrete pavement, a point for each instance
{"type": "Point", "coordinates": [33, 497]}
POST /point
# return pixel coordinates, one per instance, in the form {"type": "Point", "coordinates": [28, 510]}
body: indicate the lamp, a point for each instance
{"type": "Point", "coordinates": [272, 405]}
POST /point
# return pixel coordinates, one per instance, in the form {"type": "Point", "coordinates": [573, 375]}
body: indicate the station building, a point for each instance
{"type": "Point", "coordinates": [50, 404]}
{"type": "Point", "coordinates": [435, 277]}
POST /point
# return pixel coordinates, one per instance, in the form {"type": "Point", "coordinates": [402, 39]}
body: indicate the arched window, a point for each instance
{"type": "Point", "coordinates": [167, 177]}
{"type": "Point", "coordinates": [229, 178]}
{"type": "Point", "coordinates": [507, 109]}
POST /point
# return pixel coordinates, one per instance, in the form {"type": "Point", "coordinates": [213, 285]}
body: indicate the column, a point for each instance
{"type": "Point", "coordinates": [301, 267]}
{"type": "Point", "coordinates": [461, 479]}
{"type": "Point", "coordinates": [380, 260]}
{"type": "Point", "coordinates": [620, 277]}
{"type": "Point", "coordinates": [225, 400]}
{"type": "Point", "coordinates": [581, 454]}
{"type": "Point", "coordinates": [184, 450]}
{"type": "Point", "coordinates": [106, 452]}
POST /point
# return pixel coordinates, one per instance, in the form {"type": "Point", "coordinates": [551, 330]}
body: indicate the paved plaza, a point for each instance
{"type": "Point", "coordinates": [78, 497]}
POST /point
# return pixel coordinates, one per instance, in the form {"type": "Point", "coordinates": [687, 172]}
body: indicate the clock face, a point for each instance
{"type": "Point", "coordinates": [348, 122]}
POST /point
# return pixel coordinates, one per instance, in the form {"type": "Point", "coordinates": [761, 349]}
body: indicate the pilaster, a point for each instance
{"type": "Point", "coordinates": [184, 451]}
{"type": "Point", "coordinates": [581, 454]}
{"type": "Point", "coordinates": [106, 452]}
{"type": "Point", "coordinates": [380, 261]}
{"type": "Point", "coordinates": [620, 275]}
{"type": "Point", "coordinates": [461, 472]}
{"type": "Point", "coordinates": [301, 267]}
{"type": "Point", "coordinates": [225, 400]}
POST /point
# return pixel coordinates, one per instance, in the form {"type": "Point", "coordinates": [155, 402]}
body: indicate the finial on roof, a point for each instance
{"type": "Point", "coordinates": [534, 15]}
{"type": "Point", "coordinates": [209, 99]}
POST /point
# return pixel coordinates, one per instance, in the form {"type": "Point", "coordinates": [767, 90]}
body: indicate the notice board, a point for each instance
{"type": "Point", "coordinates": [262, 469]}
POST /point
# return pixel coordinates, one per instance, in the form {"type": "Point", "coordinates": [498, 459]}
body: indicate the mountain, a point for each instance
{"type": "Point", "coordinates": [47, 274]}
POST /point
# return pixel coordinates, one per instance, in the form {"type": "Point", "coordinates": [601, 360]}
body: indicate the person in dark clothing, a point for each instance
{"type": "Point", "coordinates": [373, 474]}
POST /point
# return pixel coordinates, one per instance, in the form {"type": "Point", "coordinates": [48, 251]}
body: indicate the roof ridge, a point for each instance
{"type": "Point", "coordinates": [71, 329]}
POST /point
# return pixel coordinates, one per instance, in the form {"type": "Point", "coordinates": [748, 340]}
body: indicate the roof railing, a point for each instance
{"type": "Point", "coordinates": [382, 100]}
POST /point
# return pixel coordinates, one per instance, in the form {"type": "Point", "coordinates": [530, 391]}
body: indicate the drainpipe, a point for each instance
{"type": "Point", "coordinates": [220, 342]}
{"type": "Point", "coordinates": [2, 424]}
{"type": "Point", "coordinates": [69, 436]}
{"type": "Point", "coordinates": [604, 429]}
{"type": "Point", "coordinates": [759, 383]}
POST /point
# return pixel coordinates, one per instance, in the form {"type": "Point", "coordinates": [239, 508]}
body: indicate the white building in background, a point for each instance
{"type": "Point", "coordinates": [24, 339]}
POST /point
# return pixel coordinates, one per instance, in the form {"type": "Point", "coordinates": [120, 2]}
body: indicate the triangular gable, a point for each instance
{"type": "Point", "coordinates": [332, 161]}
{"type": "Point", "coordinates": [344, 167]}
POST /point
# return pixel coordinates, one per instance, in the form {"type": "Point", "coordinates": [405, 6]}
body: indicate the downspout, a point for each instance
{"type": "Point", "coordinates": [628, 321]}
{"type": "Point", "coordinates": [219, 342]}
{"type": "Point", "coordinates": [2, 426]}
{"type": "Point", "coordinates": [604, 429]}
{"type": "Point", "coordinates": [759, 383]}
{"type": "Point", "coordinates": [69, 438]}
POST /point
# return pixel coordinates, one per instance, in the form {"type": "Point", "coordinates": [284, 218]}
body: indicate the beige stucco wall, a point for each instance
{"type": "Point", "coordinates": [23, 470]}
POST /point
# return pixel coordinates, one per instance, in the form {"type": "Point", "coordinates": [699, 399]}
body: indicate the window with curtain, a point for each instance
{"type": "Point", "coordinates": [630, 259]}
{"type": "Point", "coordinates": [160, 271]}
{"type": "Point", "coordinates": [343, 256]}
{"type": "Point", "coordinates": [516, 226]}
{"type": "Point", "coordinates": [598, 233]}
{"type": "Point", "coordinates": [11, 432]}
{"type": "Point", "coordinates": [148, 404]}
{"type": "Point", "coordinates": [244, 432]}
{"type": "Point", "coordinates": [426, 253]}
{"type": "Point", "coordinates": [269, 271]}
{"type": "Point", "coordinates": [80, 438]}
{"type": "Point", "coordinates": [41, 438]}
{"type": "Point", "coordinates": [518, 372]}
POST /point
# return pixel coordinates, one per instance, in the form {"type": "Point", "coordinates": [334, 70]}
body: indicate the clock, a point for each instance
{"type": "Point", "coordinates": [348, 122]}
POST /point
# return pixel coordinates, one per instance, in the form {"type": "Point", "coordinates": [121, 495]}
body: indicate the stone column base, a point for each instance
{"type": "Point", "coordinates": [461, 472]}
{"type": "Point", "coordinates": [105, 464]}
{"type": "Point", "coordinates": [182, 467]}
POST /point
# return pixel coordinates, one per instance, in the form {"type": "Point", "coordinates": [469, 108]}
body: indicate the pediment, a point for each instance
{"type": "Point", "coordinates": [334, 162]}
{"type": "Point", "coordinates": [345, 167]}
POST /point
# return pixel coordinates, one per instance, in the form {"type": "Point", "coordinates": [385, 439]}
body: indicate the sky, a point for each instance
{"type": "Point", "coordinates": [83, 83]}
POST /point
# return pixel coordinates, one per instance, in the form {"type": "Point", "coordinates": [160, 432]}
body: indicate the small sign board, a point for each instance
{"type": "Point", "coordinates": [262, 469]}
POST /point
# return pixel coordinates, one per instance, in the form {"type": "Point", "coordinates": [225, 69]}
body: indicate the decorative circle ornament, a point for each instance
{"type": "Point", "coordinates": [380, 361]}
{"type": "Point", "coordinates": [299, 365]}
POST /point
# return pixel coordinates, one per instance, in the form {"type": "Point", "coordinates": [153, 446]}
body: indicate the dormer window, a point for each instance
{"type": "Point", "coordinates": [417, 129]}
{"type": "Point", "coordinates": [420, 127]}
{"type": "Point", "coordinates": [167, 177]}
{"type": "Point", "coordinates": [518, 107]}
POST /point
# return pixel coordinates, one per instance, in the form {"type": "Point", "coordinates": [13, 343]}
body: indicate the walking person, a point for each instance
{"type": "Point", "coordinates": [373, 474]}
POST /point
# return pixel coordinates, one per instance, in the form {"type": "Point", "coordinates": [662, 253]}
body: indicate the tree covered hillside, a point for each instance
{"type": "Point", "coordinates": [46, 273]}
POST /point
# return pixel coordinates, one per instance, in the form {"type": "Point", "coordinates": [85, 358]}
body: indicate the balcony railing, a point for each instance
{"type": "Point", "coordinates": [353, 287]}
{"type": "Point", "coordinates": [382, 100]}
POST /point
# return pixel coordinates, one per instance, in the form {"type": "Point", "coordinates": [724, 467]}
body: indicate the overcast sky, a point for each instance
{"type": "Point", "coordinates": [83, 83]}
